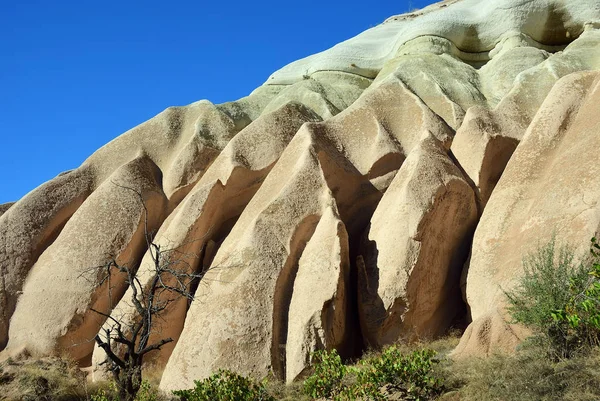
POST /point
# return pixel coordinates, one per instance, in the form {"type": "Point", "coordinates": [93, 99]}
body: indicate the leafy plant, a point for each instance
{"type": "Point", "coordinates": [328, 376]}
{"type": "Point", "coordinates": [103, 395]}
{"type": "Point", "coordinates": [558, 297]}
{"type": "Point", "coordinates": [581, 314]}
{"type": "Point", "coordinates": [147, 393]}
{"type": "Point", "coordinates": [225, 386]}
{"type": "Point", "coordinates": [411, 375]}
{"type": "Point", "coordinates": [408, 374]}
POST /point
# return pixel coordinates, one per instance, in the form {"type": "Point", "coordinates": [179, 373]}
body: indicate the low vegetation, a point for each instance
{"type": "Point", "coordinates": [558, 298]}
{"type": "Point", "coordinates": [528, 375]}
{"type": "Point", "coordinates": [227, 386]}
{"type": "Point", "coordinates": [26, 379]}
{"type": "Point", "coordinates": [59, 379]}
{"type": "Point", "coordinates": [409, 375]}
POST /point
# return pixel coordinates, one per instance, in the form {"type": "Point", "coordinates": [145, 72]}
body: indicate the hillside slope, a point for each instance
{"type": "Point", "coordinates": [382, 190]}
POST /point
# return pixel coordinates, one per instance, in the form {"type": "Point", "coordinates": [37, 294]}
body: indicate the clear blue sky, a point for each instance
{"type": "Point", "coordinates": [76, 74]}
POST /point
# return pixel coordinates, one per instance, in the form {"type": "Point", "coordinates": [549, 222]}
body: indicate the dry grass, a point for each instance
{"type": "Point", "coordinates": [442, 346]}
{"type": "Point", "coordinates": [45, 379]}
{"type": "Point", "coordinates": [528, 375]}
{"type": "Point", "coordinates": [153, 373]}
{"type": "Point", "coordinates": [54, 379]}
{"type": "Point", "coordinates": [286, 392]}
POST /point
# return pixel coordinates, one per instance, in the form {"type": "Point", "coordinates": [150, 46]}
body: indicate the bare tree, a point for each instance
{"type": "Point", "coordinates": [126, 341]}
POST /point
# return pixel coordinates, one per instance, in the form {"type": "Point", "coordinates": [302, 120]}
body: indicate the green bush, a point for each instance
{"type": "Point", "coordinates": [410, 375]}
{"type": "Point", "coordinates": [225, 386]}
{"type": "Point", "coordinates": [581, 314]}
{"type": "Point", "coordinates": [392, 371]}
{"type": "Point", "coordinates": [559, 298]}
{"type": "Point", "coordinates": [327, 380]}
{"type": "Point", "coordinates": [147, 393]}
{"type": "Point", "coordinates": [104, 395]}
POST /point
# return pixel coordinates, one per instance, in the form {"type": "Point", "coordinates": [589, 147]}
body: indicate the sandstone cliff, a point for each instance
{"type": "Point", "coordinates": [382, 190]}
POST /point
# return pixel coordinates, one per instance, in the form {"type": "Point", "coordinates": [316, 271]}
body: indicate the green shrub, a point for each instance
{"type": "Point", "coordinates": [327, 380]}
{"type": "Point", "coordinates": [581, 314]}
{"type": "Point", "coordinates": [102, 395]}
{"type": "Point", "coordinates": [410, 375]}
{"type": "Point", "coordinates": [225, 386]}
{"type": "Point", "coordinates": [551, 279]}
{"type": "Point", "coordinates": [147, 393]}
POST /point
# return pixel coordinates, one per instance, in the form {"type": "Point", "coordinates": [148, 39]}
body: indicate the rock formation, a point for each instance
{"type": "Point", "coordinates": [4, 207]}
{"type": "Point", "coordinates": [551, 186]}
{"type": "Point", "coordinates": [379, 191]}
{"type": "Point", "coordinates": [416, 244]}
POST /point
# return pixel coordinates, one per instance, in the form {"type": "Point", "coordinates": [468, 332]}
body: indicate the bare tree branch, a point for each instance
{"type": "Point", "coordinates": [127, 339]}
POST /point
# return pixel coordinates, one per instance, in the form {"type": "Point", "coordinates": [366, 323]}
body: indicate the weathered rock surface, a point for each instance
{"type": "Point", "coordinates": [318, 311]}
{"type": "Point", "coordinates": [210, 209]}
{"type": "Point", "coordinates": [482, 149]}
{"type": "Point", "coordinates": [250, 281]}
{"type": "Point", "coordinates": [344, 163]}
{"type": "Point", "coordinates": [67, 281]}
{"type": "Point", "coordinates": [415, 248]}
{"type": "Point", "coordinates": [334, 206]}
{"type": "Point", "coordinates": [5, 206]}
{"type": "Point", "coordinates": [29, 227]}
{"type": "Point", "coordinates": [550, 187]}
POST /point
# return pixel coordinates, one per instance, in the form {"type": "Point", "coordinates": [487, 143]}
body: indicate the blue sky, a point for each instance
{"type": "Point", "coordinates": [76, 74]}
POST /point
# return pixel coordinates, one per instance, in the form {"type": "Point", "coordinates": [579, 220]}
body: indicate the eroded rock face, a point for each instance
{"type": "Point", "coordinates": [550, 187]}
{"type": "Point", "coordinates": [318, 311]}
{"type": "Point", "coordinates": [334, 206]}
{"type": "Point", "coordinates": [208, 212]}
{"type": "Point", "coordinates": [414, 250]}
{"type": "Point", "coordinates": [482, 147]}
{"type": "Point", "coordinates": [5, 206]}
{"type": "Point", "coordinates": [67, 281]}
{"type": "Point", "coordinates": [251, 278]}
{"type": "Point", "coordinates": [28, 227]}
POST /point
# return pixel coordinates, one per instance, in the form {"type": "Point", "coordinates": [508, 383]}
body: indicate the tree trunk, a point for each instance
{"type": "Point", "coordinates": [129, 383]}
